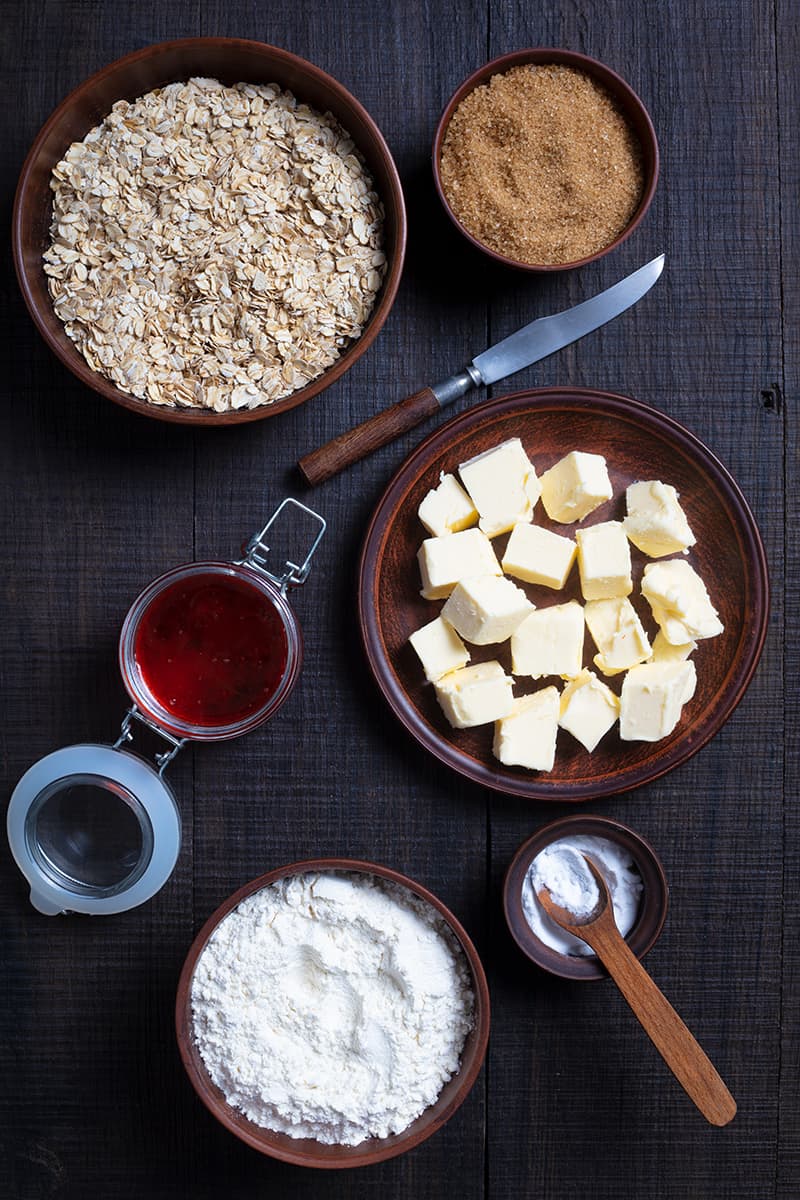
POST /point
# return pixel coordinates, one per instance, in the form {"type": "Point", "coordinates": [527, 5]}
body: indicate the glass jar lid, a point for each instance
{"type": "Point", "coordinates": [94, 829]}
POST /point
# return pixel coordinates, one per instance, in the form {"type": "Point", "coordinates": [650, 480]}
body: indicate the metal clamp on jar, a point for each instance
{"type": "Point", "coordinates": [208, 651]}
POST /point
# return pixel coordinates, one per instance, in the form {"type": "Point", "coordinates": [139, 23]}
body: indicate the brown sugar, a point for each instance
{"type": "Point", "coordinates": [541, 166]}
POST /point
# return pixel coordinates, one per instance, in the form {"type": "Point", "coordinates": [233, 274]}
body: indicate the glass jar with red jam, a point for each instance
{"type": "Point", "coordinates": [208, 651]}
{"type": "Point", "coordinates": [211, 650]}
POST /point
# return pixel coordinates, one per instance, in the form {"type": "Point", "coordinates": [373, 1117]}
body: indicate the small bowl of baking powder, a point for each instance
{"type": "Point", "coordinates": [332, 1013]}
{"type": "Point", "coordinates": [552, 858]}
{"type": "Point", "coordinates": [545, 159]}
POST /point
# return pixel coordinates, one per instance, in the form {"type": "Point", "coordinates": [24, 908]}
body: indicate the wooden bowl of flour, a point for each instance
{"type": "Point", "coordinates": [308, 1152]}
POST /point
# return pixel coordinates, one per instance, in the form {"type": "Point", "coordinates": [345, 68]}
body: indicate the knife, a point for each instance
{"type": "Point", "coordinates": [534, 341]}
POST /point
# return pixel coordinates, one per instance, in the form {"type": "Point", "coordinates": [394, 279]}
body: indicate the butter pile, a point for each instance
{"type": "Point", "coordinates": [497, 494]}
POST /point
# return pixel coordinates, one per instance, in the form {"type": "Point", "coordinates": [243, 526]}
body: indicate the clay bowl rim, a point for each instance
{"type": "Point", "coordinates": [653, 907]}
{"type": "Point", "coordinates": [27, 250]}
{"type": "Point", "coordinates": [629, 102]}
{"type": "Point", "coordinates": [307, 1152]}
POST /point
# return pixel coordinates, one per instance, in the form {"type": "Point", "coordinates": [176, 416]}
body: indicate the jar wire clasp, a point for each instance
{"type": "Point", "coordinates": [293, 575]}
{"type": "Point", "coordinates": [165, 757]}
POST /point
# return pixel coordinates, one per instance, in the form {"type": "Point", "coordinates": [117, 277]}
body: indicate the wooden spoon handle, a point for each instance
{"type": "Point", "coordinates": [683, 1055]}
{"type": "Point", "coordinates": [357, 443]}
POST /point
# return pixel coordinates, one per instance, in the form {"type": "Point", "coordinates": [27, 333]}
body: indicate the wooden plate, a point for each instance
{"type": "Point", "coordinates": [638, 443]}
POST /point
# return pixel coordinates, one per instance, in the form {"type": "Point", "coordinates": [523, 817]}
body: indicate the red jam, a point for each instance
{"type": "Point", "coordinates": [211, 649]}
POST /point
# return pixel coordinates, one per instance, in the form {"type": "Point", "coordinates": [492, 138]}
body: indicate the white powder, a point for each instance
{"type": "Point", "coordinates": [561, 869]}
{"type": "Point", "coordinates": [332, 1006]}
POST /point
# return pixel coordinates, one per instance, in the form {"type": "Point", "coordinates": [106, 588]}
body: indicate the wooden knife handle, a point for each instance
{"type": "Point", "coordinates": [357, 443]}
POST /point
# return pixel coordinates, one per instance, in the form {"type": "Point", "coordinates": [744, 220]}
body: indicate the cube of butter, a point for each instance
{"type": "Point", "coordinates": [475, 695]}
{"type": "Point", "coordinates": [604, 561]}
{"type": "Point", "coordinates": [575, 486]}
{"type": "Point", "coordinates": [447, 508]}
{"type": "Point", "coordinates": [445, 560]}
{"type": "Point", "coordinates": [656, 523]}
{"type": "Point", "coordinates": [652, 698]}
{"type": "Point", "coordinates": [618, 634]}
{"type": "Point", "coordinates": [539, 556]}
{"type": "Point", "coordinates": [549, 642]}
{"type": "Point", "coordinates": [588, 709]}
{"type": "Point", "coordinates": [503, 486]}
{"type": "Point", "coordinates": [680, 602]}
{"type": "Point", "coordinates": [439, 649]}
{"type": "Point", "coordinates": [664, 651]}
{"type": "Point", "coordinates": [486, 608]}
{"type": "Point", "coordinates": [527, 737]}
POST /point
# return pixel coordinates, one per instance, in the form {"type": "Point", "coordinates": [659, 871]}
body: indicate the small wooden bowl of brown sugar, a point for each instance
{"type": "Point", "coordinates": [545, 159]}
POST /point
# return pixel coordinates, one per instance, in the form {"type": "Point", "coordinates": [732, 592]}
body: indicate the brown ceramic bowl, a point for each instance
{"type": "Point", "coordinates": [307, 1152]}
{"type": "Point", "coordinates": [627, 100]}
{"type": "Point", "coordinates": [230, 60]}
{"type": "Point", "coordinates": [652, 908]}
{"type": "Point", "coordinates": [638, 442]}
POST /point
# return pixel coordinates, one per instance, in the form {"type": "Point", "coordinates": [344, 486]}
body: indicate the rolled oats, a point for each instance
{"type": "Point", "coordinates": [214, 247]}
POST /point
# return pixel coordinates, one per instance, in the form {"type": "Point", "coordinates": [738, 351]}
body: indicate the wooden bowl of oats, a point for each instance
{"type": "Point", "coordinates": [209, 231]}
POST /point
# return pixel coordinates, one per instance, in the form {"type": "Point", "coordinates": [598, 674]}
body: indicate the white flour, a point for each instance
{"type": "Point", "coordinates": [332, 1006]}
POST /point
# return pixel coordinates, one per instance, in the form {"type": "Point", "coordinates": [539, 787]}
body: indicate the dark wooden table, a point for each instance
{"type": "Point", "coordinates": [573, 1102]}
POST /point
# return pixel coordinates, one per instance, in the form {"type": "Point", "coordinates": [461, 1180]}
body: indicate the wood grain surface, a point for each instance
{"type": "Point", "coordinates": [96, 501]}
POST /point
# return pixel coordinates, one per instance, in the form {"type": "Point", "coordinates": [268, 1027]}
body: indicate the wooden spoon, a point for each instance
{"type": "Point", "coordinates": [688, 1062]}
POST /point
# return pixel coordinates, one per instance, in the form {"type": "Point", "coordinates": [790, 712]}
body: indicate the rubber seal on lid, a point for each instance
{"type": "Point", "coordinates": [94, 830]}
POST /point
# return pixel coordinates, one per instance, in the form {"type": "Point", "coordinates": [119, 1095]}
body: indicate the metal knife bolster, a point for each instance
{"type": "Point", "coordinates": [457, 385]}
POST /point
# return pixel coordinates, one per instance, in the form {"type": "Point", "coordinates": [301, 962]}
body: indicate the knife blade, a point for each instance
{"type": "Point", "coordinates": [528, 345]}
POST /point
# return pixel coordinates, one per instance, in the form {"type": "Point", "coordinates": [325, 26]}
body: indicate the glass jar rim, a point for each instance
{"type": "Point", "coordinates": [148, 703]}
